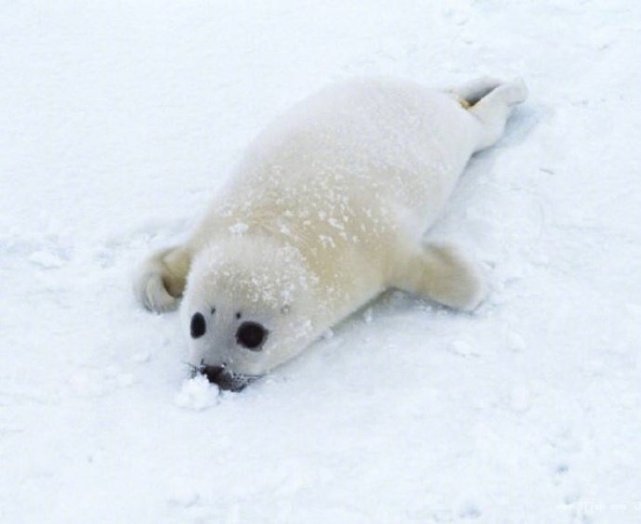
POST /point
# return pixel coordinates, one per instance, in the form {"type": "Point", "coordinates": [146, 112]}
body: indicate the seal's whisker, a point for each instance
{"type": "Point", "coordinates": [194, 370]}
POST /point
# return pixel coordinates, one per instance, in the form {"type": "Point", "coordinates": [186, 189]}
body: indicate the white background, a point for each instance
{"type": "Point", "coordinates": [118, 120]}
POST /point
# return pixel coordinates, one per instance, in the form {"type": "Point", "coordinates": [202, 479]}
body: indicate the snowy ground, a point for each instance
{"type": "Point", "coordinates": [118, 121]}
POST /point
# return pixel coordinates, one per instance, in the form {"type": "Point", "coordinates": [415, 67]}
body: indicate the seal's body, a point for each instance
{"type": "Point", "coordinates": [326, 210]}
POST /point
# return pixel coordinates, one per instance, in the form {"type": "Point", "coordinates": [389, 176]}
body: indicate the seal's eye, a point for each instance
{"type": "Point", "coordinates": [198, 326]}
{"type": "Point", "coordinates": [251, 335]}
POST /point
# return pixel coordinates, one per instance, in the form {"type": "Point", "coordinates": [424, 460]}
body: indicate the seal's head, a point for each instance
{"type": "Point", "coordinates": [248, 307]}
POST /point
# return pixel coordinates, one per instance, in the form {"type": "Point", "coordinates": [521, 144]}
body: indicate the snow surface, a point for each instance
{"type": "Point", "coordinates": [118, 120]}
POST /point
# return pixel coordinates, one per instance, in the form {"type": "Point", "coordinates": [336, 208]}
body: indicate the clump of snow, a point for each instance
{"type": "Point", "coordinates": [197, 394]}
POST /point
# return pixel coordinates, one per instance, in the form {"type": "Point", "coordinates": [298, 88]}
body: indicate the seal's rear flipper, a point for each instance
{"type": "Point", "coordinates": [472, 92]}
{"type": "Point", "coordinates": [493, 110]}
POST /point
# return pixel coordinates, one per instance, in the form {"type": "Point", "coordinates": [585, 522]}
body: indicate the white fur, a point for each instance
{"type": "Point", "coordinates": [327, 209]}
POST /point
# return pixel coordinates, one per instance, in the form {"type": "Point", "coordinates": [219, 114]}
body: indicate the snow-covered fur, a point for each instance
{"type": "Point", "coordinates": [326, 210]}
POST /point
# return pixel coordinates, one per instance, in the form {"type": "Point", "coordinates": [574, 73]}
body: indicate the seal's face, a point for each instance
{"type": "Point", "coordinates": [246, 312]}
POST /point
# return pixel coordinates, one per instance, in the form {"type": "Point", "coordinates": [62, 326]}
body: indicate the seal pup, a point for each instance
{"type": "Point", "coordinates": [327, 209]}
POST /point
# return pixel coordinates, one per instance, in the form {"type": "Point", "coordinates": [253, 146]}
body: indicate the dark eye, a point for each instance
{"type": "Point", "coordinates": [251, 335]}
{"type": "Point", "coordinates": [198, 326]}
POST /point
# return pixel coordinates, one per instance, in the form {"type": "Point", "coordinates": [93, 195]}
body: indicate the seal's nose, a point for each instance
{"type": "Point", "coordinates": [213, 373]}
{"type": "Point", "coordinates": [223, 378]}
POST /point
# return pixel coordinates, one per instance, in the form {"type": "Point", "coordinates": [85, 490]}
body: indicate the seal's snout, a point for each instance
{"type": "Point", "coordinates": [213, 373]}
{"type": "Point", "coordinates": [224, 379]}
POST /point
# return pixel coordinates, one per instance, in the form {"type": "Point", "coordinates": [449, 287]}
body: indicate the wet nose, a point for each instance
{"type": "Point", "coordinates": [213, 373]}
{"type": "Point", "coordinates": [223, 378]}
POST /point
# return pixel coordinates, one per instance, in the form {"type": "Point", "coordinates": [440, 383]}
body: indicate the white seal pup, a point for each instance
{"type": "Point", "coordinates": [327, 209]}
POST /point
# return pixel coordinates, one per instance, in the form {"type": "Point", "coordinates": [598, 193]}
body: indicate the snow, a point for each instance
{"type": "Point", "coordinates": [119, 120]}
{"type": "Point", "coordinates": [197, 393]}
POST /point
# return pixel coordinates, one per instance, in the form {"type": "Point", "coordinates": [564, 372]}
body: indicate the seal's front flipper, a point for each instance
{"type": "Point", "coordinates": [161, 280]}
{"type": "Point", "coordinates": [444, 274]}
